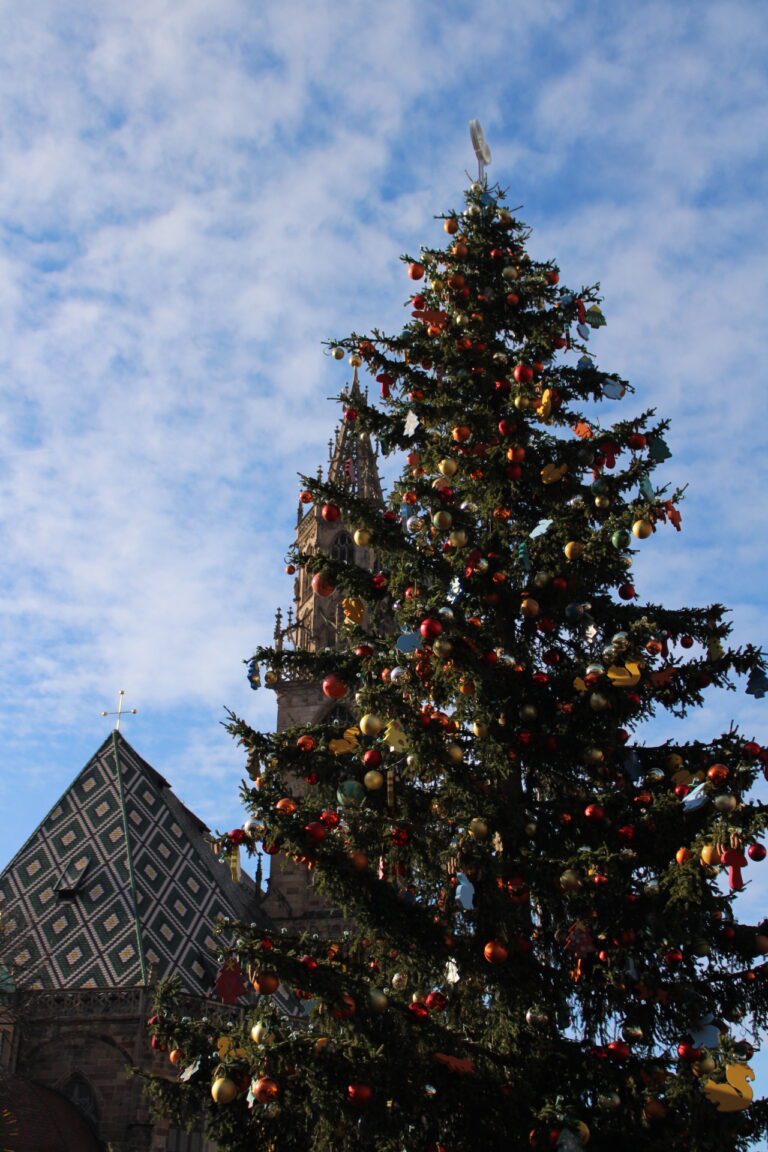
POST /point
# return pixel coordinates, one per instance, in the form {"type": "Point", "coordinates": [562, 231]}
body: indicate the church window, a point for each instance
{"type": "Point", "coordinates": [343, 548]}
{"type": "Point", "coordinates": [78, 1090]}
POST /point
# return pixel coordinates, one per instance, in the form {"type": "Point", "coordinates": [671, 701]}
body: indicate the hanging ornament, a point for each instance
{"type": "Point", "coordinates": [735, 1094]}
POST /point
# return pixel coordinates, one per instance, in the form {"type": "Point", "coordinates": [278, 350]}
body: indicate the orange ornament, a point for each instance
{"type": "Point", "coordinates": [415, 271]}
{"type": "Point", "coordinates": [683, 855]}
{"type": "Point", "coordinates": [461, 433]}
{"type": "Point", "coordinates": [451, 225]}
{"type": "Point", "coordinates": [267, 982]}
{"type": "Point", "coordinates": [266, 1089]}
{"type": "Point", "coordinates": [495, 952]}
{"type": "Point", "coordinates": [286, 805]}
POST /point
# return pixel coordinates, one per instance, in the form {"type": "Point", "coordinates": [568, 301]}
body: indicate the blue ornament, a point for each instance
{"type": "Point", "coordinates": [696, 798]}
{"type": "Point", "coordinates": [757, 685]}
{"type": "Point", "coordinates": [613, 389]}
{"type": "Point", "coordinates": [658, 449]}
{"type": "Point", "coordinates": [540, 529]}
{"type": "Point", "coordinates": [584, 364]}
{"type": "Point", "coordinates": [705, 1034]}
{"type": "Point", "coordinates": [408, 642]}
{"type": "Point", "coordinates": [524, 557]}
{"type": "Point", "coordinates": [350, 793]}
{"type": "Point", "coordinates": [465, 893]}
{"type": "Point", "coordinates": [646, 489]}
{"type": "Point", "coordinates": [583, 331]}
{"type": "Point", "coordinates": [486, 199]}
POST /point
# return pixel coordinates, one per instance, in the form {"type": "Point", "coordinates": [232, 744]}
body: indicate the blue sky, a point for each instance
{"type": "Point", "coordinates": [195, 195]}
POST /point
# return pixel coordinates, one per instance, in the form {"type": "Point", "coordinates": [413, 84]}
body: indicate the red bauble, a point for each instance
{"type": "Point", "coordinates": [636, 441]}
{"type": "Point", "coordinates": [316, 831]}
{"type": "Point", "coordinates": [306, 743]}
{"type": "Point", "coordinates": [688, 1051]}
{"type": "Point", "coordinates": [334, 688]}
{"type": "Point", "coordinates": [430, 628]}
{"type": "Point", "coordinates": [436, 1002]}
{"type": "Point", "coordinates": [364, 651]}
{"type": "Point", "coordinates": [619, 1050]}
{"type": "Point", "coordinates": [322, 585]}
{"type": "Point", "coordinates": [372, 758]}
{"type": "Point", "coordinates": [756, 852]}
{"type": "Point", "coordinates": [419, 1010]}
{"type": "Point", "coordinates": [626, 833]}
{"type": "Point", "coordinates": [495, 952]}
{"type": "Point", "coordinates": [673, 957]}
{"type": "Point", "coordinates": [360, 1095]}
{"type": "Point", "coordinates": [331, 513]}
{"type": "Point", "coordinates": [416, 271]}
{"type": "Point", "coordinates": [594, 812]}
{"type": "Point", "coordinates": [401, 836]}
{"type": "Point", "coordinates": [686, 641]}
{"type": "Point", "coordinates": [330, 818]}
{"type": "Point", "coordinates": [560, 584]}
{"type": "Point", "coordinates": [752, 749]}
{"type": "Point", "coordinates": [523, 373]}
{"type": "Point", "coordinates": [513, 471]}
{"type": "Point", "coordinates": [627, 592]}
{"type": "Point", "coordinates": [507, 427]}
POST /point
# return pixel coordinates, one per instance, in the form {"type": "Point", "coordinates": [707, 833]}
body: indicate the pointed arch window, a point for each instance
{"type": "Point", "coordinates": [343, 548]}
{"type": "Point", "coordinates": [79, 1092]}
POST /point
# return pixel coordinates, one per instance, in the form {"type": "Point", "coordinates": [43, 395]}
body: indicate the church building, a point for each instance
{"type": "Point", "coordinates": [119, 887]}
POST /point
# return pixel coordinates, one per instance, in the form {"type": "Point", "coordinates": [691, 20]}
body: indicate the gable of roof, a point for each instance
{"type": "Point", "coordinates": [117, 886]}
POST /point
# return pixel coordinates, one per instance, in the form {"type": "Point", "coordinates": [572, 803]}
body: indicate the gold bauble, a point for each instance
{"type": "Point", "coordinates": [583, 1132]}
{"type": "Point", "coordinates": [528, 713]}
{"type": "Point", "coordinates": [371, 725]}
{"type": "Point", "coordinates": [441, 483]}
{"type": "Point", "coordinates": [442, 520]}
{"type": "Point", "coordinates": [478, 828]}
{"type": "Point", "coordinates": [458, 538]}
{"type": "Point", "coordinates": [725, 803]}
{"type": "Point", "coordinates": [355, 360]}
{"type": "Point", "coordinates": [455, 753]}
{"type": "Point", "coordinates": [373, 780]}
{"type": "Point", "coordinates": [362, 537]}
{"type": "Point", "coordinates": [378, 1000]}
{"type": "Point", "coordinates": [338, 353]}
{"type": "Point", "coordinates": [593, 756]}
{"type": "Point", "coordinates": [530, 828]}
{"type": "Point", "coordinates": [710, 855]}
{"type": "Point", "coordinates": [602, 502]}
{"type": "Point", "coordinates": [259, 1033]}
{"type": "Point", "coordinates": [704, 1066]}
{"type": "Point", "coordinates": [522, 403]}
{"type": "Point", "coordinates": [570, 880]}
{"type": "Point", "coordinates": [480, 729]}
{"type": "Point", "coordinates": [529, 607]}
{"type": "Point", "coordinates": [642, 529]}
{"type": "Point", "coordinates": [573, 550]}
{"type": "Point", "coordinates": [442, 648]}
{"type": "Point", "coordinates": [223, 1090]}
{"type": "Point", "coordinates": [448, 467]}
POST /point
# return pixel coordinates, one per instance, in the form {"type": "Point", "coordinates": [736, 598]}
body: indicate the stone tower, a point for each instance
{"type": "Point", "coordinates": [312, 624]}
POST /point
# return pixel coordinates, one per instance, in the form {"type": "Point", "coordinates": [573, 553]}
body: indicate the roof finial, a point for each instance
{"type": "Point", "coordinates": [119, 713]}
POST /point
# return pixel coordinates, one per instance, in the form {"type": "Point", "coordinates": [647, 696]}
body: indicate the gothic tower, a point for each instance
{"type": "Point", "coordinates": [312, 624]}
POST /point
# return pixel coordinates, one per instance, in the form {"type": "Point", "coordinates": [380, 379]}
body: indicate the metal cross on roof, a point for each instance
{"type": "Point", "coordinates": [119, 713]}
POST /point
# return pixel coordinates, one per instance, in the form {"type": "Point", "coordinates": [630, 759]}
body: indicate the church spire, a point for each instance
{"type": "Point", "coordinates": [353, 458]}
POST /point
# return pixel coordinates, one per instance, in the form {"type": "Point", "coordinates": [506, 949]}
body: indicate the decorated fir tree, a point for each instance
{"type": "Point", "coordinates": [542, 950]}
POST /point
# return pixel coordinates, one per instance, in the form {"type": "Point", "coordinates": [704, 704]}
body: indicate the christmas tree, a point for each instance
{"type": "Point", "coordinates": [542, 949]}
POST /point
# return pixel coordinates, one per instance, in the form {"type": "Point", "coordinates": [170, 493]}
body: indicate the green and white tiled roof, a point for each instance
{"type": "Point", "coordinates": [117, 886]}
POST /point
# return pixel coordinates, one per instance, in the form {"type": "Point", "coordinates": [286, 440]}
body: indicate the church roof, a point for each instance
{"type": "Point", "coordinates": [117, 886]}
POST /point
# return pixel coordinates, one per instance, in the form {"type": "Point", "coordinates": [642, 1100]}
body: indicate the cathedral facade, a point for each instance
{"type": "Point", "coordinates": [119, 887]}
